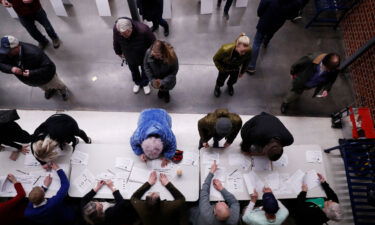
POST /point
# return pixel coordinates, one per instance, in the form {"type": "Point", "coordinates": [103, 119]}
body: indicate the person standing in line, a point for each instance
{"type": "Point", "coordinates": [131, 39]}
{"type": "Point", "coordinates": [272, 16]}
{"type": "Point", "coordinates": [231, 60]}
{"type": "Point", "coordinates": [31, 66]}
{"type": "Point", "coordinates": [152, 10]}
{"type": "Point", "coordinates": [161, 67]}
{"type": "Point", "coordinates": [28, 12]}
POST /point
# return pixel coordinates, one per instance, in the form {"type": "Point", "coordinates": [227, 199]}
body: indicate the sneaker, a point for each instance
{"type": "Point", "coordinates": [166, 33]}
{"type": "Point", "coordinates": [136, 89]}
{"type": "Point", "coordinates": [56, 43]}
{"type": "Point", "coordinates": [147, 89]}
{"type": "Point", "coordinates": [49, 93]}
{"type": "Point", "coordinates": [296, 19]}
{"type": "Point", "coordinates": [217, 91]}
{"type": "Point", "coordinates": [251, 71]}
{"type": "Point", "coordinates": [167, 97]}
{"type": "Point", "coordinates": [43, 45]}
{"type": "Point", "coordinates": [230, 90]}
{"type": "Point", "coordinates": [89, 141]}
{"type": "Point", "coordinates": [284, 107]}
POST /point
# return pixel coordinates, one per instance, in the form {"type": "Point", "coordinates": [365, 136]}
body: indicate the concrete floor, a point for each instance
{"type": "Point", "coordinates": [87, 52]}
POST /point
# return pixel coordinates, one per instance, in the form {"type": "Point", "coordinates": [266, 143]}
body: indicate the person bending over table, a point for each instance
{"type": "Point", "coordinates": [95, 212]}
{"type": "Point", "coordinates": [153, 137]}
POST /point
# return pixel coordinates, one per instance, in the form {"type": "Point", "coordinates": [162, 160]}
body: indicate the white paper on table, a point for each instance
{"type": "Point", "coordinates": [210, 156]}
{"type": "Point", "coordinates": [79, 158]}
{"type": "Point", "coordinates": [314, 156]}
{"type": "Point", "coordinates": [252, 182]}
{"type": "Point", "coordinates": [156, 165]}
{"type": "Point", "coordinates": [261, 163]}
{"type": "Point", "coordinates": [104, 176]}
{"type": "Point", "coordinates": [272, 180]}
{"type": "Point", "coordinates": [85, 181]}
{"type": "Point", "coordinates": [282, 162]}
{"type": "Point", "coordinates": [120, 184]}
{"type": "Point", "coordinates": [311, 179]}
{"type": "Point", "coordinates": [239, 160]}
{"type": "Point", "coordinates": [6, 186]}
{"type": "Point", "coordinates": [124, 163]}
{"type": "Point", "coordinates": [235, 183]}
{"type": "Point", "coordinates": [219, 174]}
{"type": "Point", "coordinates": [190, 159]}
{"type": "Point", "coordinates": [295, 181]}
{"type": "Point", "coordinates": [130, 188]}
{"type": "Point", "coordinates": [122, 175]}
{"type": "Point", "coordinates": [213, 192]}
{"type": "Point", "coordinates": [139, 175]}
{"type": "Point", "coordinates": [284, 186]}
{"type": "Point", "coordinates": [30, 160]}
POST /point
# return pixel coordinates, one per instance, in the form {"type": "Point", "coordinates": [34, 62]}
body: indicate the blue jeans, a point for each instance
{"type": "Point", "coordinates": [258, 40]}
{"type": "Point", "coordinates": [29, 23]}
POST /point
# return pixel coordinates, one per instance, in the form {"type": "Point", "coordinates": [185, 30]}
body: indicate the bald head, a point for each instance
{"type": "Point", "coordinates": [221, 211]}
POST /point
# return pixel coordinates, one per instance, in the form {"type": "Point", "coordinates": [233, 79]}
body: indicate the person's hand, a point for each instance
{"type": "Point", "coordinates": [46, 166]}
{"type": "Point", "coordinates": [213, 167]}
{"type": "Point", "coordinates": [156, 83]}
{"type": "Point", "coordinates": [164, 162]}
{"type": "Point", "coordinates": [206, 145]}
{"type": "Point", "coordinates": [54, 166]}
{"type": "Point", "coordinates": [16, 70]}
{"type": "Point", "coordinates": [226, 144]}
{"type": "Point", "coordinates": [6, 4]}
{"type": "Point", "coordinates": [218, 185]}
{"type": "Point", "coordinates": [99, 185]}
{"type": "Point", "coordinates": [254, 196]}
{"type": "Point", "coordinates": [304, 187]}
{"type": "Point", "coordinates": [24, 149]}
{"type": "Point", "coordinates": [47, 181]}
{"type": "Point", "coordinates": [153, 177]}
{"type": "Point", "coordinates": [12, 178]}
{"type": "Point", "coordinates": [324, 94]}
{"type": "Point", "coordinates": [143, 157]}
{"type": "Point", "coordinates": [267, 190]}
{"type": "Point", "coordinates": [110, 185]}
{"type": "Point", "coordinates": [26, 73]}
{"type": "Point", "coordinates": [321, 178]}
{"type": "Point", "coordinates": [164, 179]}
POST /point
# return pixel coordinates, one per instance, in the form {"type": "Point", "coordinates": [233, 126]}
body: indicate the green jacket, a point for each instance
{"type": "Point", "coordinates": [206, 125]}
{"type": "Point", "coordinates": [225, 63]}
{"type": "Point", "coordinates": [304, 69]}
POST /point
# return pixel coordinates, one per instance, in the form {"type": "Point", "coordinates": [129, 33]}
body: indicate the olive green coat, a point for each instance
{"type": "Point", "coordinates": [225, 63]}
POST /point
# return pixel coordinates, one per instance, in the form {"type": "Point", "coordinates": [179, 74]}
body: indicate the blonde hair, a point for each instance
{"type": "Point", "coordinates": [36, 195]}
{"type": "Point", "coordinates": [166, 50]}
{"type": "Point", "coordinates": [45, 150]}
{"type": "Point", "coordinates": [243, 39]}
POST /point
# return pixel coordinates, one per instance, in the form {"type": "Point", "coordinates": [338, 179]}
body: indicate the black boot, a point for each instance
{"type": "Point", "coordinates": [160, 94]}
{"type": "Point", "coordinates": [230, 90]}
{"type": "Point", "coordinates": [49, 93]}
{"type": "Point", "coordinates": [217, 91]}
{"type": "Point", "coordinates": [167, 97]}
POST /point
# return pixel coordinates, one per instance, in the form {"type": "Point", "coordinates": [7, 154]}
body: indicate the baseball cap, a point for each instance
{"type": "Point", "coordinates": [270, 204]}
{"type": "Point", "coordinates": [7, 43]}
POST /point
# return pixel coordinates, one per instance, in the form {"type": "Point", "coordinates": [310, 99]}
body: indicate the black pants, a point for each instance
{"type": "Point", "coordinates": [227, 6]}
{"type": "Point", "coordinates": [233, 76]}
{"type": "Point", "coordinates": [162, 22]}
{"type": "Point", "coordinates": [14, 134]}
{"type": "Point", "coordinates": [139, 78]}
{"type": "Point", "coordinates": [82, 135]}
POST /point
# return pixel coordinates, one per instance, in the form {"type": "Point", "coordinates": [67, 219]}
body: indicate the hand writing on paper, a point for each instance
{"type": "Point", "coordinates": [218, 185]}
{"type": "Point", "coordinates": [213, 167]}
{"type": "Point", "coordinates": [304, 187]}
{"type": "Point", "coordinates": [110, 185]}
{"type": "Point", "coordinates": [24, 149]}
{"type": "Point", "coordinates": [47, 181]}
{"type": "Point", "coordinates": [54, 166]}
{"type": "Point", "coordinates": [99, 185]}
{"type": "Point", "coordinates": [321, 178]}
{"type": "Point", "coordinates": [164, 162]}
{"type": "Point", "coordinates": [143, 157]}
{"type": "Point", "coordinates": [12, 178]}
{"type": "Point", "coordinates": [254, 196]}
{"type": "Point", "coordinates": [153, 177]}
{"type": "Point", "coordinates": [164, 179]}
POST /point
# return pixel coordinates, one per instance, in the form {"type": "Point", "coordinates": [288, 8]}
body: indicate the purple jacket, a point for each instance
{"type": "Point", "coordinates": [134, 47]}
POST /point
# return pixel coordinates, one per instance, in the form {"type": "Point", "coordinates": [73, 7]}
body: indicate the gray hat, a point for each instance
{"type": "Point", "coordinates": [223, 126]}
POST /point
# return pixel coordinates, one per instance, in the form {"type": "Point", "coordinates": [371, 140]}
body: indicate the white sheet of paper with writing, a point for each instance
{"type": "Point", "coordinates": [272, 180]}
{"type": "Point", "coordinates": [282, 162]}
{"type": "Point", "coordinates": [139, 175]}
{"type": "Point", "coordinates": [6, 185]}
{"type": "Point", "coordinates": [311, 179]}
{"type": "Point", "coordinates": [190, 159]}
{"type": "Point", "coordinates": [314, 156]}
{"type": "Point", "coordinates": [295, 181]}
{"type": "Point", "coordinates": [239, 160]}
{"type": "Point", "coordinates": [284, 187]}
{"type": "Point", "coordinates": [261, 163]}
{"type": "Point", "coordinates": [252, 182]}
{"type": "Point", "coordinates": [210, 156]}
{"type": "Point", "coordinates": [85, 181]}
{"type": "Point", "coordinates": [220, 174]}
{"type": "Point", "coordinates": [124, 163]}
{"type": "Point", "coordinates": [30, 160]}
{"type": "Point", "coordinates": [235, 183]}
{"type": "Point", "coordinates": [79, 158]}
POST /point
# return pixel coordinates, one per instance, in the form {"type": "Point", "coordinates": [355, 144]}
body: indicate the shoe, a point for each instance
{"type": "Point", "coordinates": [166, 33]}
{"type": "Point", "coordinates": [56, 43]}
{"type": "Point", "coordinates": [64, 96]}
{"type": "Point", "coordinates": [295, 20]}
{"type": "Point", "coordinates": [43, 45]}
{"type": "Point", "coordinates": [251, 71]}
{"type": "Point", "coordinates": [167, 97]}
{"type": "Point", "coordinates": [147, 89]}
{"type": "Point", "coordinates": [153, 29]}
{"type": "Point", "coordinates": [230, 90]}
{"type": "Point", "coordinates": [136, 89]}
{"type": "Point", "coordinates": [284, 107]}
{"type": "Point", "coordinates": [217, 91]}
{"type": "Point", "coordinates": [160, 94]}
{"type": "Point", "coordinates": [89, 141]}
{"type": "Point", "coordinates": [49, 93]}
{"type": "Point", "coordinates": [226, 16]}
{"type": "Point", "coordinates": [265, 45]}
{"type": "Point", "coordinates": [216, 144]}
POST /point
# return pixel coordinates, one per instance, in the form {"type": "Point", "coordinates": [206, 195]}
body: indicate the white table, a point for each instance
{"type": "Point", "coordinates": [296, 160]}
{"type": "Point", "coordinates": [102, 159]}
{"type": "Point", "coordinates": [37, 172]}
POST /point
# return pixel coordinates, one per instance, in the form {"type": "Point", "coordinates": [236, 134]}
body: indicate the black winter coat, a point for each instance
{"type": "Point", "coordinates": [32, 58]}
{"type": "Point", "coordinates": [273, 14]}
{"type": "Point", "coordinates": [150, 9]}
{"type": "Point", "coordinates": [11, 132]}
{"type": "Point", "coordinates": [261, 128]}
{"type": "Point", "coordinates": [134, 47]}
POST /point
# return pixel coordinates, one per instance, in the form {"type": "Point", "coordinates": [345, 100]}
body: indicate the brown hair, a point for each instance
{"type": "Point", "coordinates": [36, 195]}
{"type": "Point", "coordinates": [91, 215]}
{"type": "Point", "coordinates": [166, 50]}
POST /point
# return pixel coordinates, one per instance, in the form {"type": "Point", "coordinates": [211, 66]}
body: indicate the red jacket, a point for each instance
{"type": "Point", "coordinates": [12, 211]}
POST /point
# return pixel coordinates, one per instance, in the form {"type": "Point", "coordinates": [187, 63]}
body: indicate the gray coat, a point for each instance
{"type": "Point", "coordinates": [157, 69]}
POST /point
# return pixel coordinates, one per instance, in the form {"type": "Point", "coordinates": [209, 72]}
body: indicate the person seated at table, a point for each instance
{"type": "Point", "coordinates": [11, 211]}
{"type": "Point", "coordinates": [11, 133]}
{"type": "Point", "coordinates": [225, 212]}
{"type": "Point", "coordinates": [153, 137]}
{"type": "Point", "coordinates": [313, 213]}
{"type": "Point", "coordinates": [94, 212]}
{"type": "Point", "coordinates": [154, 211]}
{"type": "Point", "coordinates": [273, 211]}
{"type": "Point", "coordinates": [53, 210]}
{"type": "Point", "coordinates": [218, 125]}
{"type": "Point", "coordinates": [265, 134]}
{"type": "Point", "coordinates": [52, 135]}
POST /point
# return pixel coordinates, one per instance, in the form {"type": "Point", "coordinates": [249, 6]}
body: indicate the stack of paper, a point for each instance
{"type": "Point", "coordinates": [295, 181]}
{"type": "Point", "coordinates": [235, 183]}
{"type": "Point", "coordinates": [314, 156]}
{"type": "Point", "coordinates": [210, 156]}
{"type": "Point", "coordinates": [311, 179]}
{"type": "Point", "coordinates": [124, 163]}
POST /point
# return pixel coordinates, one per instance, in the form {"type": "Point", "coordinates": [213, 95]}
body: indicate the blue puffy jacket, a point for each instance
{"type": "Point", "coordinates": [154, 121]}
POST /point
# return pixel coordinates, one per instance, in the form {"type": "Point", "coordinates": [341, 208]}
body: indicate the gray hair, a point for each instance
{"type": "Point", "coordinates": [91, 214]}
{"type": "Point", "coordinates": [333, 211]}
{"type": "Point", "coordinates": [152, 147]}
{"type": "Point", "coordinates": [123, 25]}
